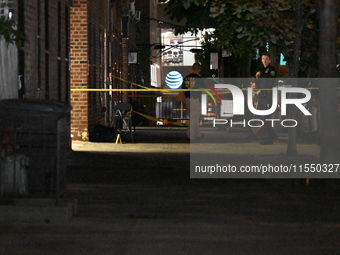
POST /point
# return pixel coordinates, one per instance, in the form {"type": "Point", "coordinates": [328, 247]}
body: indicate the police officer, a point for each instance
{"type": "Point", "coordinates": [264, 100]}
{"type": "Point", "coordinates": [193, 102]}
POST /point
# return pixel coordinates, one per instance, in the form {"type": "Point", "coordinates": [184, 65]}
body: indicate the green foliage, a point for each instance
{"type": "Point", "coordinates": [309, 31]}
{"type": "Point", "coordinates": [194, 14]}
{"type": "Point", "coordinates": [9, 32]}
{"type": "Point", "coordinates": [242, 26]}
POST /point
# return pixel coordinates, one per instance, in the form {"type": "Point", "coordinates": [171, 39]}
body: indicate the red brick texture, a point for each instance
{"type": "Point", "coordinates": [79, 69]}
{"type": "Point", "coordinates": [90, 20]}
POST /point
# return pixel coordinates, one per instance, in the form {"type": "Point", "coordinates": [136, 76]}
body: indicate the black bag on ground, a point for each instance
{"type": "Point", "coordinates": [102, 133]}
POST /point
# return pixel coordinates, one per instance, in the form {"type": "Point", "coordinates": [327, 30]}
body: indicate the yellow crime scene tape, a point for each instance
{"type": "Point", "coordinates": [142, 88]}
{"type": "Point", "coordinates": [161, 120]}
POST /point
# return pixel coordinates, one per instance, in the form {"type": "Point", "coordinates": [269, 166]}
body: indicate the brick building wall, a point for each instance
{"type": "Point", "coordinates": [125, 69]}
{"type": "Point", "coordinates": [98, 21]}
{"type": "Point", "coordinates": [43, 58]}
{"type": "Point", "coordinates": [79, 68]}
{"type": "Point", "coordinates": [96, 51]}
{"type": "Point", "coordinates": [116, 50]}
{"type": "Point", "coordinates": [74, 44]}
{"type": "Point", "coordinates": [89, 23]}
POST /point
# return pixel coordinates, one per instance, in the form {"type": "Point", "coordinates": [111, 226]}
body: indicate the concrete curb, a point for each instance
{"type": "Point", "coordinates": [37, 210]}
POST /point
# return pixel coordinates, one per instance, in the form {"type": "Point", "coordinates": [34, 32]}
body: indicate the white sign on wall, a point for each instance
{"type": "Point", "coordinates": [226, 108]}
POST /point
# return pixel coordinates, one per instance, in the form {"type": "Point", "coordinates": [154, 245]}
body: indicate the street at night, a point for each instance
{"type": "Point", "coordinates": [167, 127]}
{"type": "Point", "coordinates": [138, 198]}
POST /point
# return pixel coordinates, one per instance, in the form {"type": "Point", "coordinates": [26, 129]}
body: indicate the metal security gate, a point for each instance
{"type": "Point", "coordinates": [34, 141]}
{"type": "Point", "coordinates": [169, 108]}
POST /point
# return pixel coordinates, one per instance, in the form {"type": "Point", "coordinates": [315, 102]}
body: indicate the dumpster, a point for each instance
{"type": "Point", "coordinates": [34, 142]}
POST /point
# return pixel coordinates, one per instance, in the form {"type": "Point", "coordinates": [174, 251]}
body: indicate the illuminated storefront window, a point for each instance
{"type": "Point", "coordinates": [177, 48]}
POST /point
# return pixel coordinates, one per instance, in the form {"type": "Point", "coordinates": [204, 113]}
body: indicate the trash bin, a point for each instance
{"type": "Point", "coordinates": [34, 142]}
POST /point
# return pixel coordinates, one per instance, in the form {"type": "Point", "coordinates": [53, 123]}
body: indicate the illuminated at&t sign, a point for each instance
{"type": "Point", "coordinates": [174, 79]}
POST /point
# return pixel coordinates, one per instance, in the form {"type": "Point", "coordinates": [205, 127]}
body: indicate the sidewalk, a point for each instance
{"type": "Point", "coordinates": [173, 140]}
{"type": "Point", "coordinates": [138, 198]}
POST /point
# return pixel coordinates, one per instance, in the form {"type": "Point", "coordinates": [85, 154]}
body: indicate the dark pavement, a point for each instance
{"type": "Point", "coordinates": [139, 199]}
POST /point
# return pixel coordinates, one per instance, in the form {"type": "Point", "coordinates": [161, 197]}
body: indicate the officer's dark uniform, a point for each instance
{"type": "Point", "coordinates": [265, 102]}
{"type": "Point", "coordinates": [189, 82]}
{"type": "Point", "coordinates": [193, 104]}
